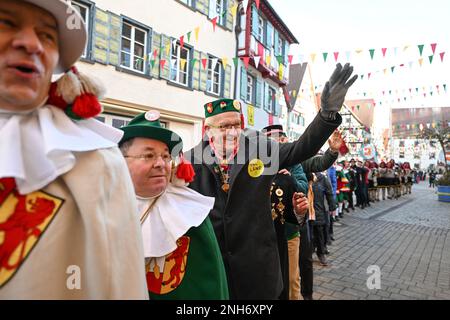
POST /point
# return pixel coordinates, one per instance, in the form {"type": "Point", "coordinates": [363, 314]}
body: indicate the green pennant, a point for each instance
{"type": "Point", "coordinates": [445, 87]}
{"type": "Point", "coordinates": [325, 55]}
{"type": "Point", "coordinates": [194, 61]}
{"type": "Point", "coordinates": [421, 49]}
{"type": "Point", "coordinates": [392, 69]}
{"type": "Point", "coordinates": [431, 59]}
{"type": "Point", "coordinates": [152, 63]}
{"type": "Point", "coordinates": [224, 13]}
{"type": "Point", "coordinates": [417, 90]}
{"type": "Point", "coordinates": [235, 61]}
{"type": "Point", "coordinates": [189, 36]}
{"type": "Point", "coordinates": [358, 107]}
{"type": "Point", "coordinates": [365, 94]}
{"type": "Point", "coordinates": [280, 59]}
{"type": "Point", "coordinates": [372, 53]}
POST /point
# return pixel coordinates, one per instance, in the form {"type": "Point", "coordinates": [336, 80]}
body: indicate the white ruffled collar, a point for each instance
{"type": "Point", "coordinates": [38, 146]}
{"type": "Point", "coordinates": [176, 211]}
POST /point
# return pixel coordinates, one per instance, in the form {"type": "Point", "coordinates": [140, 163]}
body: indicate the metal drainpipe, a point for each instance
{"type": "Point", "coordinates": [237, 31]}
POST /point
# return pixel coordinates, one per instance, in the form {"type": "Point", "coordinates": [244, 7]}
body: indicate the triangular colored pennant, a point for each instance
{"type": "Point", "coordinates": [257, 2]}
{"type": "Point", "coordinates": [325, 55]}
{"type": "Point", "coordinates": [313, 57]}
{"type": "Point", "coordinates": [358, 107]}
{"type": "Point", "coordinates": [433, 47]}
{"type": "Point", "coordinates": [194, 61]}
{"type": "Point", "coordinates": [372, 53]}
{"type": "Point", "coordinates": [280, 59]}
{"type": "Point", "coordinates": [383, 50]}
{"type": "Point", "coordinates": [420, 61]}
{"type": "Point", "coordinates": [445, 87]}
{"type": "Point", "coordinates": [152, 63]}
{"type": "Point", "coordinates": [442, 56]}
{"type": "Point", "coordinates": [417, 90]}
{"type": "Point", "coordinates": [225, 62]}
{"type": "Point", "coordinates": [155, 53]}
{"type": "Point", "coordinates": [347, 55]}
{"type": "Point", "coordinates": [336, 56]}
{"type": "Point", "coordinates": [162, 62]}
{"type": "Point", "coordinates": [167, 49]}
{"type": "Point", "coordinates": [197, 31]}
{"type": "Point", "coordinates": [204, 62]}
{"type": "Point", "coordinates": [256, 59]}
{"type": "Point", "coordinates": [182, 42]}
{"type": "Point", "coordinates": [214, 23]}
{"type": "Point", "coordinates": [183, 63]}
{"type": "Point", "coordinates": [246, 61]}
{"type": "Point", "coordinates": [234, 10]}
{"type": "Point", "coordinates": [431, 59]}
{"type": "Point", "coordinates": [421, 49]}
{"type": "Point", "coordinates": [369, 75]}
{"type": "Point", "coordinates": [281, 72]}
{"type": "Point", "coordinates": [189, 36]}
{"type": "Point", "coordinates": [392, 69]}
{"type": "Point", "coordinates": [290, 58]}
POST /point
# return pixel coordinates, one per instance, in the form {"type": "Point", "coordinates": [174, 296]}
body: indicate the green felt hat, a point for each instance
{"type": "Point", "coordinates": [221, 106]}
{"type": "Point", "coordinates": [147, 125]}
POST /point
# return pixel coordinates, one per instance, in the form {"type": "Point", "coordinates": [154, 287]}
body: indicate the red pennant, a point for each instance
{"type": "Point", "coordinates": [433, 47]}
{"type": "Point", "coordinates": [182, 42]}
{"type": "Point", "coordinates": [336, 56]}
{"type": "Point", "coordinates": [246, 61]}
{"type": "Point", "coordinates": [442, 56]}
{"type": "Point", "coordinates": [369, 75]}
{"type": "Point", "coordinates": [261, 50]}
{"type": "Point", "coordinates": [384, 52]}
{"type": "Point", "coordinates": [214, 22]}
{"type": "Point", "coordinates": [290, 58]}
{"type": "Point", "coordinates": [162, 62]}
{"type": "Point", "coordinates": [155, 53]}
{"type": "Point", "coordinates": [257, 2]}
{"type": "Point", "coordinates": [204, 62]}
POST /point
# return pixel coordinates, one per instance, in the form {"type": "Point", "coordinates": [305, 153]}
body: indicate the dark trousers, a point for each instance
{"type": "Point", "coordinates": [330, 230]}
{"type": "Point", "coordinates": [319, 240]}
{"type": "Point", "coordinates": [326, 229]}
{"type": "Point", "coordinates": [306, 262]}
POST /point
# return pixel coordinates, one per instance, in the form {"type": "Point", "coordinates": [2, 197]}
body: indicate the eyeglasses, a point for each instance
{"type": "Point", "coordinates": [152, 157]}
{"type": "Point", "coordinates": [224, 127]}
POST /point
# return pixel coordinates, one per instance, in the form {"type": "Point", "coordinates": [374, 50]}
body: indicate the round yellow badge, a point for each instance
{"type": "Point", "coordinates": [255, 168]}
{"type": "Point", "coordinates": [237, 105]}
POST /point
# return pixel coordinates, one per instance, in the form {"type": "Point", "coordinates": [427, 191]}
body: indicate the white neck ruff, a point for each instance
{"type": "Point", "coordinates": [38, 146]}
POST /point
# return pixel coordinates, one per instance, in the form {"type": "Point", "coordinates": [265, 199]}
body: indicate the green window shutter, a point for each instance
{"type": "Point", "coordinates": [255, 21]}
{"type": "Point", "coordinates": [100, 49]}
{"type": "Point", "coordinates": [227, 85]}
{"type": "Point", "coordinates": [259, 95]}
{"type": "Point", "coordinates": [156, 46]}
{"type": "Point", "coordinates": [203, 72]}
{"type": "Point", "coordinates": [277, 47]}
{"type": "Point", "coordinates": [229, 23]}
{"type": "Point", "coordinates": [115, 35]}
{"type": "Point", "coordinates": [202, 6]}
{"type": "Point", "coordinates": [243, 84]}
{"type": "Point", "coordinates": [164, 71]}
{"type": "Point", "coordinates": [196, 65]}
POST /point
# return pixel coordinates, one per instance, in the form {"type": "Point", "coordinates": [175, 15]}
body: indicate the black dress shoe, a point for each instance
{"type": "Point", "coordinates": [332, 238]}
{"type": "Point", "coordinates": [308, 297]}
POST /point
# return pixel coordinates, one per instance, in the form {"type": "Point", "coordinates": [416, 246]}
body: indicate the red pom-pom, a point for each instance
{"type": "Point", "coordinates": [54, 99]}
{"type": "Point", "coordinates": [86, 106]}
{"type": "Point", "coordinates": [185, 171]}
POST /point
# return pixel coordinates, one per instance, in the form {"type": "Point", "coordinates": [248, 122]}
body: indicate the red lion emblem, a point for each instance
{"type": "Point", "coordinates": [178, 256]}
{"type": "Point", "coordinates": [25, 222]}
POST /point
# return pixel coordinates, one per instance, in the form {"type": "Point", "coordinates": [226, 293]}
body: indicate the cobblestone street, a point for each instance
{"type": "Point", "coordinates": [408, 239]}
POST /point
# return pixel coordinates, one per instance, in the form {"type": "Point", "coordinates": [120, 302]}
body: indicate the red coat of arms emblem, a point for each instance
{"type": "Point", "coordinates": [23, 219]}
{"type": "Point", "coordinates": [168, 279]}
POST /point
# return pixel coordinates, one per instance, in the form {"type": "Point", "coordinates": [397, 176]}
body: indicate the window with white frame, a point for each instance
{"type": "Point", "coordinates": [179, 64]}
{"type": "Point", "coordinates": [214, 82]}
{"type": "Point", "coordinates": [190, 3]}
{"type": "Point", "coordinates": [134, 47]}
{"type": "Point", "coordinates": [220, 10]}
{"type": "Point", "coordinates": [261, 29]}
{"type": "Point", "coordinates": [250, 88]}
{"type": "Point", "coordinates": [117, 121]}
{"type": "Point", "coordinates": [84, 12]}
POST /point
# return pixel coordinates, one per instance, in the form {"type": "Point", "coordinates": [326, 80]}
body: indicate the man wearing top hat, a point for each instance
{"type": "Point", "coordinates": [68, 228]}
{"type": "Point", "coordinates": [182, 257]}
{"type": "Point", "coordinates": [237, 170]}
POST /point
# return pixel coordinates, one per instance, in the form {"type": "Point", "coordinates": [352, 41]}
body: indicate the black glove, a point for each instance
{"type": "Point", "coordinates": [333, 95]}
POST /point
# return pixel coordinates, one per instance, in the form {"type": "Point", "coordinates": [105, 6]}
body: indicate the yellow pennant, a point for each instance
{"type": "Point", "coordinates": [420, 61]}
{"type": "Point", "coordinates": [268, 60]}
{"type": "Point", "coordinates": [234, 10]}
{"type": "Point", "coordinates": [183, 63]}
{"type": "Point", "coordinates": [313, 57]}
{"type": "Point", "coordinates": [225, 62]}
{"type": "Point", "coordinates": [197, 31]}
{"type": "Point", "coordinates": [167, 49]}
{"type": "Point", "coordinates": [280, 72]}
